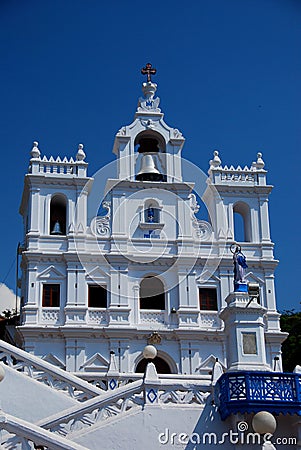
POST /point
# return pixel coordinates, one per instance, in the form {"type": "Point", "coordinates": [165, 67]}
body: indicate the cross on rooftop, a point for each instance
{"type": "Point", "coordinates": [148, 70]}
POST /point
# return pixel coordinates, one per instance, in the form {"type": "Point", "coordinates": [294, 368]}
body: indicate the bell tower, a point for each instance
{"type": "Point", "coordinates": [149, 165]}
{"type": "Point", "coordinates": [148, 149]}
{"type": "Point", "coordinates": [244, 192]}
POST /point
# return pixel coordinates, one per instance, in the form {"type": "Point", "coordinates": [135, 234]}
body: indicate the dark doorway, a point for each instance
{"type": "Point", "coordinates": [161, 365]}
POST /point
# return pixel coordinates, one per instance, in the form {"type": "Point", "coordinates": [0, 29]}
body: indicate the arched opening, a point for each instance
{"type": "Point", "coordinates": [58, 211]}
{"type": "Point", "coordinates": [160, 363]}
{"type": "Point", "coordinates": [152, 295]}
{"type": "Point", "coordinates": [149, 144]}
{"type": "Point", "coordinates": [242, 222]}
{"type": "Point", "coordinates": [151, 211]}
{"type": "Point", "coordinates": [239, 227]}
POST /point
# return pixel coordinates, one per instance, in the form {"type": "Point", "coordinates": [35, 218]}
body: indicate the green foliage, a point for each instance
{"type": "Point", "coordinates": [291, 348]}
{"type": "Point", "coordinates": [9, 313]}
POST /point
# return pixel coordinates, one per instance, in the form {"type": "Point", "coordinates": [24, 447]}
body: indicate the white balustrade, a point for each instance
{"type": "Point", "coordinates": [97, 317]}
{"type": "Point", "coordinates": [20, 434]}
{"type": "Point", "coordinates": [209, 319]}
{"type": "Point", "coordinates": [58, 166]}
{"type": "Point", "coordinates": [51, 316]}
{"type": "Point", "coordinates": [174, 391]}
{"type": "Point", "coordinates": [152, 317]}
{"type": "Point", "coordinates": [247, 175]}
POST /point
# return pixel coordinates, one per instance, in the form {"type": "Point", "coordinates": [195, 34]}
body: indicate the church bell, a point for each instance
{"type": "Point", "coordinates": [56, 228]}
{"type": "Point", "coordinates": [148, 171]}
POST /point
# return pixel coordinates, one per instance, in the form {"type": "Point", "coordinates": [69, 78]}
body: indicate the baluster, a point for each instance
{"type": "Point", "coordinates": [248, 383]}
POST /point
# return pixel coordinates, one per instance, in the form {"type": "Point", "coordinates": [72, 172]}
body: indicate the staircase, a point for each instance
{"type": "Point", "coordinates": [58, 410]}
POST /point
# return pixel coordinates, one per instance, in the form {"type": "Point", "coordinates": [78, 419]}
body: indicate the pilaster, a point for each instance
{"type": "Point", "coordinates": [244, 332]}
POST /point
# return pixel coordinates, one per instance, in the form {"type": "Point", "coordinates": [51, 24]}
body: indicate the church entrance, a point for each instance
{"type": "Point", "coordinates": [161, 365]}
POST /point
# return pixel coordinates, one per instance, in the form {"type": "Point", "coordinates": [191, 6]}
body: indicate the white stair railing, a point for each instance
{"type": "Point", "coordinates": [46, 373]}
{"type": "Point", "coordinates": [129, 398]}
{"type": "Point", "coordinates": [111, 404]}
{"type": "Point", "coordinates": [24, 435]}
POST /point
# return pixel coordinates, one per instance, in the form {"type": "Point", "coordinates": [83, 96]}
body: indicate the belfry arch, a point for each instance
{"type": "Point", "coordinates": [242, 223]}
{"type": "Point", "coordinates": [58, 215]}
{"type": "Point", "coordinates": [150, 141]}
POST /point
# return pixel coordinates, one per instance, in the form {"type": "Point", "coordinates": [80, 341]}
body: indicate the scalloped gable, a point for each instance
{"type": "Point", "coordinates": [51, 273]}
{"type": "Point", "coordinates": [97, 362]}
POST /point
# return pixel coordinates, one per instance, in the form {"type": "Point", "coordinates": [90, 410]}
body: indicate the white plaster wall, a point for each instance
{"type": "Point", "coordinates": [50, 345]}
{"type": "Point", "coordinates": [141, 430]}
{"type": "Point", "coordinates": [28, 399]}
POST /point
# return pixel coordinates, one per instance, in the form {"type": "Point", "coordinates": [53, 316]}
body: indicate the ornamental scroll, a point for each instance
{"type": "Point", "coordinates": [100, 225]}
{"type": "Point", "coordinates": [203, 229]}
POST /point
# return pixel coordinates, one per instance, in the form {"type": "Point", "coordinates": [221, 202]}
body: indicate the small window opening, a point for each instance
{"type": "Point", "coordinates": [151, 211]}
{"type": "Point", "coordinates": [51, 295]}
{"type": "Point", "coordinates": [152, 295]}
{"type": "Point", "coordinates": [97, 296]}
{"type": "Point", "coordinates": [208, 299]}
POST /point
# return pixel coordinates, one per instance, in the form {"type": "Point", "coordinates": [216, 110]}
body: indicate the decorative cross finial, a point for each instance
{"type": "Point", "coordinates": [148, 70]}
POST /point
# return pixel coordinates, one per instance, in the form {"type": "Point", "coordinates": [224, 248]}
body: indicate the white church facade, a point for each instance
{"type": "Point", "coordinates": [147, 265]}
{"type": "Point", "coordinates": [119, 269]}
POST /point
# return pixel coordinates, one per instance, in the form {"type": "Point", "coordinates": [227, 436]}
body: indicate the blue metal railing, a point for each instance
{"type": "Point", "coordinates": [252, 391]}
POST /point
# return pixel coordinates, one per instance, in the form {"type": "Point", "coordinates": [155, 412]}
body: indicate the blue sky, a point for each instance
{"type": "Point", "coordinates": [228, 77]}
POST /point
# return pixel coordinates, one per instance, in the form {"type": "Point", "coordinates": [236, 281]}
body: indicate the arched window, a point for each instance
{"type": "Point", "coordinates": [242, 222]}
{"type": "Point", "coordinates": [151, 212]}
{"type": "Point", "coordinates": [152, 295]}
{"type": "Point", "coordinates": [160, 363]}
{"type": "Point", "coordinates": [58, 212]}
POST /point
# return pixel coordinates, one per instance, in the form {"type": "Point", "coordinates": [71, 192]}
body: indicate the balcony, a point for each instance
{"type": "Point", "coordinates": [248, 391]}
{"type": "Point", "coordinates": [152, 317]}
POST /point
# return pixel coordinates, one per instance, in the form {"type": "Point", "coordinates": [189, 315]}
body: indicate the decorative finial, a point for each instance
{"type": "Point", "coordinates": [80, 155]}
{"type": "Point", "coordinates": [148, 102]}
{"type": "Point", "coordinates": [35, 152]}
{"type": "Point", "coordinates": [148, 70]}
{"type": "Point", "coordinates": [260, 162]}
{"type": "Point", "coordinates": [216, 161]}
